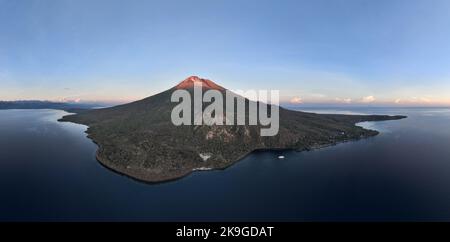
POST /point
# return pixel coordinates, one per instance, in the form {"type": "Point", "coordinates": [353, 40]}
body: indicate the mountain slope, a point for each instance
{"type": "Point", "coordinates": [138, 139]}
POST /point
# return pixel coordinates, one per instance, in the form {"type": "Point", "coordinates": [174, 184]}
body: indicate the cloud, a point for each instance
{"type": "Point", "coordinates": [71, 99]}
{"type": "Point", "coordinates": [296, 100]}
{"type": "Point", "coordinates": [368, 99]}
{"type": "Point", "coordinates": [68, 100]}
{"type": "Point", "coordinates": [344, 100]}
{"type": "Point", "coordinates": [414, 100]}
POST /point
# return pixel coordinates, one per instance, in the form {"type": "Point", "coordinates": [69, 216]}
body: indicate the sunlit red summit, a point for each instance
{"type": "Point", "coordinates": [192, 81]}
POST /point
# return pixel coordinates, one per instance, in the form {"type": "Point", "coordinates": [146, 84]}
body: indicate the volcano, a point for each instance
{"type": "Point", "coordinates": [139, 140]}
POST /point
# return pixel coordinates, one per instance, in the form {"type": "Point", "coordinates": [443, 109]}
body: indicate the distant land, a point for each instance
{"type": "Point", "coordinates": [35, 104]}
{"type": "Point", "coordinates": [139, 140]}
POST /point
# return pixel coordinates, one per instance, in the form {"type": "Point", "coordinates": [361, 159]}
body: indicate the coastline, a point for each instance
{"type": "Point", "coordinates": [148, 178]}
{"type": "Point", "coordinates": [141, 175]}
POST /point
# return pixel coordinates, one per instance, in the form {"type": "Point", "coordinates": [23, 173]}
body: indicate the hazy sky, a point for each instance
{"type": "Point", "coordinates": [344, 51]}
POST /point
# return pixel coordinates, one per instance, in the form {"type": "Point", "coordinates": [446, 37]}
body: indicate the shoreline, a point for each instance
{"type": "Point", "coordinates": [141, 175]}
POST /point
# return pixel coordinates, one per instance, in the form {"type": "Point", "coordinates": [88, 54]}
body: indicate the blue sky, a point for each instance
{"type": "Point", "coordinates": [394, 52]}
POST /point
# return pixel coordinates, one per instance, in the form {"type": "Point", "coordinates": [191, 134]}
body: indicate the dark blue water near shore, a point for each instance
{"type": "Point", "coordinates": [48, 172]}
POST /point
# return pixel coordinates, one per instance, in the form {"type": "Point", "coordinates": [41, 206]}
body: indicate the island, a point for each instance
{"type": "Point", "coordinates": [139, 140]}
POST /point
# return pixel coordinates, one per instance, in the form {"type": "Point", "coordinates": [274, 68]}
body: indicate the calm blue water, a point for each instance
{"type": "Point", "coordinates": [48, 172]}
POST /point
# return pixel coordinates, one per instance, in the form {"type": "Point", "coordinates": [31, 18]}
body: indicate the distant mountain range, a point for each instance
{"type": "Point", "coordinates": [34, 104]}
{"type": "Point", "coordinates": [139, 140]}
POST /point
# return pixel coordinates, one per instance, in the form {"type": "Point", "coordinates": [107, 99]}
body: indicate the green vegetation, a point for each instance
{"type": "Point", "coordinates": [139, 140]}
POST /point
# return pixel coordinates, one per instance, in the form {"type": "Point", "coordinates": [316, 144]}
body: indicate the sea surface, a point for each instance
{"type": "Point", "coordinates": [48, 172]}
